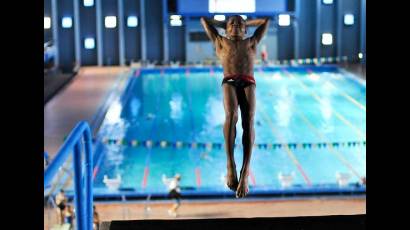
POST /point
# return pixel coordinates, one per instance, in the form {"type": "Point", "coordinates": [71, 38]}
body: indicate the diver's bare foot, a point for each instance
{"type": "Point", "coordinates": [243, 188]}
{"type": "Point", "coordinates": [231, 178]}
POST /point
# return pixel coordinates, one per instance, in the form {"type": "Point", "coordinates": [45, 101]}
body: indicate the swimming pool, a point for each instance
{"type": "Point", "coordinates": [310, 127]}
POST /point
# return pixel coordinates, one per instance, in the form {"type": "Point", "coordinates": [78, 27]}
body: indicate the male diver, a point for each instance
{"type": "Point", "coordinates": [237, 55]}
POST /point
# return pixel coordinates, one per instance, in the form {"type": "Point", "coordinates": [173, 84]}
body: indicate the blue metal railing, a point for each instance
{"type": "Point", "coordinates": [83, 183]}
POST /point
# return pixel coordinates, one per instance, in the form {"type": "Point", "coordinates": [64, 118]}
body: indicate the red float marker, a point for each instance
{"type": "Point", "coordinates": [95, 172]}
{"type": "Point", "coordinates": [137, 73]}
{"type": "Point", "coordinates": [198, 176]}
{"type": "Point", "coordinates": [144, 181]}
{"type": "Point", "coordinates": [252, 177]}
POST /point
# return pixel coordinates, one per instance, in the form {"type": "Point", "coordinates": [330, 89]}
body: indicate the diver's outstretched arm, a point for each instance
{"type": "Point", "coordinates": [261, 30]}
{"type": "Point", "coordinates": [210, 30]}
{"type": "Point", "coordinates": [255, 22]}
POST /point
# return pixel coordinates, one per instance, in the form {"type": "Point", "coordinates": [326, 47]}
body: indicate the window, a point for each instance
{"type": "Point", "coordinates": [327, 2]}
{"type": "Point", "coordinates": [132, 21]}
{"type": "Point", "coordinates": [229, 6]}
{"type": "Point", "coordinates": [327, 39]}
{"type": "Point", "coordinates": [66, 22]}
{"type": "Point", "coordinates": [284, 20]}
{"type": "Point", "coordinates": [110, 21]}
{"type": "Point", "coordinates": [89, 43]}
{"type": "Point", "coordinates": [47, 22]}
{"type": "Point", "coordinates": [198, 37]}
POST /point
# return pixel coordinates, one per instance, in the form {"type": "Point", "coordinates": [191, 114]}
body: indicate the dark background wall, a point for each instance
{"type": "Point", "coordinates": [65, 8]}
{"type": "Point", "coordinates": [110, 35]}
{"type": "Point", "coordinates": [328, 25]}
{"type": "Point", "coordinates": [153, 13]}
{"type": "Point", "coordinates": [88, 28]}
{"type": "Point", "coordinates": [176, 43]}
{"type": "Point", "coordinates": [132, 35]}
{"type": "Point", "coordinates": [47, 13]}
{"type": "Point", "coordinates": [346, 39]}
{"type": "Point", "coordinates": [286, 44]}
{"type": "Point", "coordinates": [350, 39]}
{"type": "Point", "coordinates": [306, 12]}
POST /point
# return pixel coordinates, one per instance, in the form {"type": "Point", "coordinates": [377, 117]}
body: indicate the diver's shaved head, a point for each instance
{"type": "Point", "coordinates": [236, 27]}
{"type": "Point", "coordinates": [238, 17]}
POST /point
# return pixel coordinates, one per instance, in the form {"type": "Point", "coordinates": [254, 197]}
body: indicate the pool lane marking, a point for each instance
{"type": "Point", "coordinates": [322, 136]}
{"type": "Point", "coordinates": [192, 124]}
{"type": "Point", "coordinates": [348, 97]}
{"type": "Point", "coordinates": [317, 98]}
{"type": "Point", "coordinates": [344, 94]}
{"type": "Point", "coordinates": [187, 93]}
{"type": "Point", "coordinates": [154, 124]}
{"type": "Point", "coordinates": [289, 152]}
{"type": "Point", "coordinates": [97, 164]}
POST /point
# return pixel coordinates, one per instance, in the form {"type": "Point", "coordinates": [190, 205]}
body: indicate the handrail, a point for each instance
{"type": "Point", "coordinates": [46, 158]}
{"type": "Point", "coordinates": [83, 198]}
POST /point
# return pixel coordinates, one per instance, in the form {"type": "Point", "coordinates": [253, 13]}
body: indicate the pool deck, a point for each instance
{"type": "Point", "coordinates": [79, 100]}
{"type": "Point", "coordinates": [229, 209]}
{"type": "Point", "coordinates": [235, 209]}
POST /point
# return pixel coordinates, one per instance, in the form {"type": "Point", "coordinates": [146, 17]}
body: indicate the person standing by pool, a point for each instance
{"type": "Point", "coordinates": [264, 54]}
{"type": "Point", "coordinates": [61, 201]}
{"type": "Point", "coordinates": [69, 216]}
{"type": "Point", "coordinates": [237, 55]}
{"type": "Point", "coordinates": [174, 192]}
{"type": "Point", "coordinates": [96, 219]}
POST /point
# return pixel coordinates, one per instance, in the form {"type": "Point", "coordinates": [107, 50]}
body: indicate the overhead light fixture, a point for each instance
{"type": "Point", "coordinates": [175, 20]}
{"type": "Point", "coordinates": [89, 43]}
{"type": "Point", "coordinates": [47, 22]}
{"type": "Point", "coordinates": [66, 22]}
{"type": "Point", "coordinates": [110, 22]}
{"type": "Point", "coordinates": [327, 39]}
{"type": "Point", "coordinates": [284, 20]}
{"type": "Point", "coordinates": [132, 21]}
{"type": "Point", "coordinates": [219, 17]}
{"type": "Point", "coordinates": [88, 3]}
{"type": "Point", "coordinates": [349, 19]}
{"type": "Point", "coordinates": [175, 17]}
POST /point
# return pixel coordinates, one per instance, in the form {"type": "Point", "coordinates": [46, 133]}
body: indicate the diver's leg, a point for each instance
{"type": "Point", "coordinates": [231, 118]}
{"type": "Point", "coordinates": [247, 105]}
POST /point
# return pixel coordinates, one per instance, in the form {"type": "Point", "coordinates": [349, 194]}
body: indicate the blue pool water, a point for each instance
{"type": "Point", "coordinates": [310, 123]}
